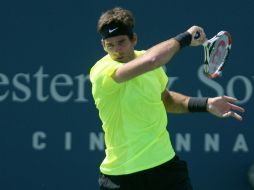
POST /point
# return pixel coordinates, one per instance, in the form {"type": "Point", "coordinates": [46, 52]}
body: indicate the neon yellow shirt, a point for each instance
{"type": "Point", "coordinates": [133, 118]}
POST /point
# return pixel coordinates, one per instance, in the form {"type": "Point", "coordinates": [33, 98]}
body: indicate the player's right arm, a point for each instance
{"type": "Point", "coordinates": [155, 57]}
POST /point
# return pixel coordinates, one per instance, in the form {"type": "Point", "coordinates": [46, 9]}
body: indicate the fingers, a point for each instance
{"type": "Point", "coordinates": [194, 29]}
{"type": "Point", "coordinates": [202, 36]}
{"type": "Point", "coordinates": [232, 107]}
{"type": "Point", "coordinates": [237, 108]}
{"type": "Point", "coordinates": [227, 108]}
{"type": "Point", "coordinates": [232, 114]}
{"type": "Point", "coordinates": [229, 98]}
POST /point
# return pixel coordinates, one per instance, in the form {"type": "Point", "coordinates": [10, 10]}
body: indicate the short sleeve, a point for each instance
{"type": "Point", "coordinates": [108, 83]}
{"type": "Point", "coordinates": [163, 78]}
{"type": "Point", "coordinates": [101, 76]}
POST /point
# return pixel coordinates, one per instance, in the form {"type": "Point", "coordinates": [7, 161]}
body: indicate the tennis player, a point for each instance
{"type": "Point", "coordinates": [129, 90]}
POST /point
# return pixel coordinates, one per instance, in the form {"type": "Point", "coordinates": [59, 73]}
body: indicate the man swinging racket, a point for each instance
{"type": "Point", "coordinates": [129, 90]}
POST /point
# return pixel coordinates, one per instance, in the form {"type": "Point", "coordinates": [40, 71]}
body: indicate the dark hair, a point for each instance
{"type": "Point", "coordinates": [119, 17]}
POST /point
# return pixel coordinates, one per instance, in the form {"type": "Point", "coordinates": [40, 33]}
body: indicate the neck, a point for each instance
{"type": "Point", "coordinates": [132, 56]}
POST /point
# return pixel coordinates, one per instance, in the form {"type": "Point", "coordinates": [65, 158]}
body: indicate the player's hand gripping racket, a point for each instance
{"type": "Point", "coordinates": [216, 51]}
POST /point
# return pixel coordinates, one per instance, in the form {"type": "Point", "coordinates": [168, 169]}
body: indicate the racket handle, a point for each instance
{"type": "Point", "coordinates": [197, 35]}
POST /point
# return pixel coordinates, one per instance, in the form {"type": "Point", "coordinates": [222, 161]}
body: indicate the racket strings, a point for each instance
{"type": "Point", "coordinates": [219, 53]}
{"type": "Point", "coordinates": [216, 54]}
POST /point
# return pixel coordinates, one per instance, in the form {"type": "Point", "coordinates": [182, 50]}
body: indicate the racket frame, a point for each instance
{"type": "Point", "coordinates": [208, 47]}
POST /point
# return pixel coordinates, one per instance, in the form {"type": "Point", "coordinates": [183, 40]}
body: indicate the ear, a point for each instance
{"type": "Point", "coordinates": [103, 45]}
{"type": "Point", "coordinates": [134, 39]}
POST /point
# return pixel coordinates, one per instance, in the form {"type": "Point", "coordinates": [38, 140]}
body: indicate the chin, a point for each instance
{"type": "Point", "coordinates": [121, 59]}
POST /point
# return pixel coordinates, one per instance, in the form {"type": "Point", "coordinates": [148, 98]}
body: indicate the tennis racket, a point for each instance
{"type": "Point", "coordinates": [216, 51]}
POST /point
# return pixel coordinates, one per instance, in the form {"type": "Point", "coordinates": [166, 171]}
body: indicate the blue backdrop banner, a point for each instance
{"type": "Point", "coordinates": [50, 133]}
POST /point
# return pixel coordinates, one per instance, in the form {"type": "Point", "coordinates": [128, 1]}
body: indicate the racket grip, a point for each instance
{"type": "Point", "coordinates": [197, 35]}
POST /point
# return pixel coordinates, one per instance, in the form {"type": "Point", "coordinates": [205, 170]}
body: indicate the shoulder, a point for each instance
{"type": "Point", "coordinates": [102, 67]}
{"type": "Point", "coordinates": [139, 52]}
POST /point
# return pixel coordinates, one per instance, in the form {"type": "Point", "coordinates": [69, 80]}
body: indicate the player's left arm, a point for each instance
{"type": "Point", "coordinates": [175, 102]}
{"type": "Point", "coordinates": [221, 106]}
